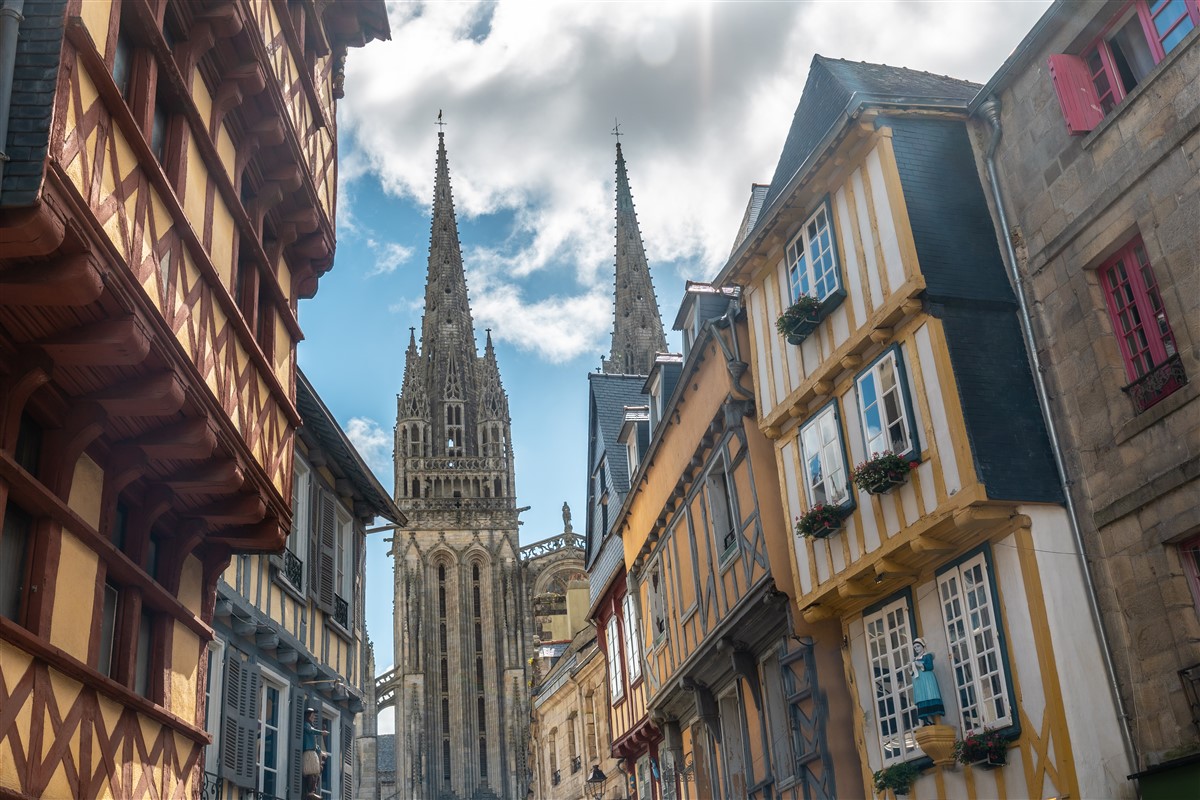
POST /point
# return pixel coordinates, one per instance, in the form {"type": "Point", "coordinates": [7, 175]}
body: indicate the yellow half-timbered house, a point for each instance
{"type": "Point", "coordinates": [166, 198]}
{"type": "Point", "coordinates": [749, 697]}
{"type": "Point", "coordinates": [890, 374]}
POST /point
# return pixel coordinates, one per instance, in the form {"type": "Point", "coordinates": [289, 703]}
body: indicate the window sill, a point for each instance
{"type": "Point", "coordinates": [1159, 411]}
{"type": "Point", "coordinates": [1138, 90]}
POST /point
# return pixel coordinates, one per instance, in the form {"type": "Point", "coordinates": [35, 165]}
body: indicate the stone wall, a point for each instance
{"type": "Point", "coordinates": [1073, 201]}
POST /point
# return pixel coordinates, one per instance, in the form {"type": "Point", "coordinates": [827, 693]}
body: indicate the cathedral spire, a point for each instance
{"type": "Point", "coordinates": [447, 309]}
{"type": "Point", "coordinates": [637, 326]}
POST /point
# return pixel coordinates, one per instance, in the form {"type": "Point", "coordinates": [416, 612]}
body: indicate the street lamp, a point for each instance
{"type": "Point", "coordinates": [595, 782]}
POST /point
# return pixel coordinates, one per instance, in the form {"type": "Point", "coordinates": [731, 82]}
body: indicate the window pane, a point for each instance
{"type": "Point", "coordinates": [108, 622]}
{"type": "Point", "coordinates": [1171, 22]}
{"type": "Point", "coordinates": [141, 682]}
{"type": "Point", "coordinates": [14, 543]}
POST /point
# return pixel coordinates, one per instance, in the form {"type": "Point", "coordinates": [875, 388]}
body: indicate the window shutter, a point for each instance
{"type": "Point", "coordinates": [347, 762]}
{"type": "Point", "coordinates": [231, 714]}
{"type": "Point", "coordinates": [296, 745]}
{"type": "Point", "coordinates": [1076, 93]}
{"type": "Point", "coordinates": [314, 537]}
{"type": "Point", "coordinates": [328, 553]}
{"type": "Point", "coordinates": [248, 732]}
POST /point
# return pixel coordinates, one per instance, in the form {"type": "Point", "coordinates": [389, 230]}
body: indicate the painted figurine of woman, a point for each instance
{"type": "Point", "coordinates": [926, 693]}
{"type": "Point", "coordinates": [313, 760]}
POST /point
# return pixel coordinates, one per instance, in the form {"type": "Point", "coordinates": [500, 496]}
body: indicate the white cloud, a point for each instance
{"type": "Point", "coordinates": [374, 444]}
{"type": "Point", "coordinates": [704, 91]}
{"type": "Point", "coordinates": [389, 256]}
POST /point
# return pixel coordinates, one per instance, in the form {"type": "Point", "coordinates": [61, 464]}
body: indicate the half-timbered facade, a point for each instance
{"type": "Point", "coordinates": [618, 414]}
{"type": "Point", "coordinates": [1091, 133]}
{"type": "Point", "coordinates": [166, 198]}
{"type": "Point", "coordinates": [910, 347]}
{"type": "Point", "coordinates": [749, 705]}
{"type": "Point", "coordinates": [290, 627]}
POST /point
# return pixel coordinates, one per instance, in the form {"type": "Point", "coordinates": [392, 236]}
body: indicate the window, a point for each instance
{"type": "Point", "coordinates": [656, 593]}
{"type": "Point", "coordinates": [454, 430]}
{"type": "Point", "coordinates": [633, 643]}
{"type": "Point", "coordinates": [297, 545]}
{"type": "Point", "coordinates": [1189, 554]}
{"type": "Point", "coordinates": [343, 563]}
{"type": "Point", "coordinates": [215, 654]}
{"type": "Point", "coordinates": [14, 553]}
{"type": "Point", "coordinates": [108, 629]}
{"type": "Point", "coordinates": [271, 743]}
{"type": "Point", "coordinates": [143, 682]}
{"type": "Point", "coordinates": [1140, 324]}
{"type": "Point", "coordinates": [889, 649]}
{"type": "Point", "coordinates": [812, 266]}
{"type": "Point", "coordinates": [616, 679]}
{"type": "Point", "coordinates": [825, 473]}
{"type": "Point", "coordinates": [123, 64]}
{"type": "Point", "coordinates": [976, 643]}
{"type": "Point", "coordinates": [1092, 84]}
{"type": "Point", "coordinates": [885, 408]}
{"type": "Point", "coordinates": [720, 509]}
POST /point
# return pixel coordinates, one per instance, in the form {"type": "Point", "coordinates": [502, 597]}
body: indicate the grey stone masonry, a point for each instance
{"type": "Point", "coordinates": [637, 325]}
{"type": "Point", "coordinates": [1074, 202]}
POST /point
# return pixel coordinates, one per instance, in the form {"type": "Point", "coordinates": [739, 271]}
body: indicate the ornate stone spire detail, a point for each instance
{"type": "Point", "coordinates": [413, 399]}
{"type": "Point", "coordinates": [493, 402]}
{"type": "Point", "coordinates": [637, 326]}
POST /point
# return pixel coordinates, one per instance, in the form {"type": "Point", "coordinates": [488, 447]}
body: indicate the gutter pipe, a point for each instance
{"type": "Point", "coordinates": [10, 24]}
{"type": "Point", "coordinates": [989, 110]}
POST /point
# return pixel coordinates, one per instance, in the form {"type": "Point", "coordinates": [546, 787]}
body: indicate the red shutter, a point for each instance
{"type": "Point", "coordinates": [1076, 93]}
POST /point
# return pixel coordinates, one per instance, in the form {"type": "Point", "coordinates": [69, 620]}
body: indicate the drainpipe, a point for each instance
{"type": "Point", "coordinates": [10, 23]}
{"type": "Point", "coordinates": [990, 111]}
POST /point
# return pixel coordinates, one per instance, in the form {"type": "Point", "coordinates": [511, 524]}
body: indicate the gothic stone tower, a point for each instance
{"type": "Point", "coordinates": [460, 617]}
{"type": "Point", "coordinates": [637, 326]}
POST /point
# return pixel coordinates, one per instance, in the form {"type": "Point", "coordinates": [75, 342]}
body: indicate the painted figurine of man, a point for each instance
{"type": "Point", "coordinates": [926, 693]}
{"type": "Point", "coordinates": [314, 755]}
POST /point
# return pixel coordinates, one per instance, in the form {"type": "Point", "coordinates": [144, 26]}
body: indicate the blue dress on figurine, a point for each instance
{"type": "Point", "coordinates": [926, 694]}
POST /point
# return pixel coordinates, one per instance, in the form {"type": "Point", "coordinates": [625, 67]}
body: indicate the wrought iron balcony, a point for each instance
{"type": "Point", "coordinates": [293, 569]}
{"type": "Point", "coordinates": [1156, 384]}
{"type": "Point", "coordinates": [1190, 678]}
{"type": "Point", "coordinates": [210, 786]}
{"type": "Point", "coordinates": [341, 612]}
{"type": "Point", "coordinates": [576, 764]}
{"type": "Point", "coordinates": [555, 778]}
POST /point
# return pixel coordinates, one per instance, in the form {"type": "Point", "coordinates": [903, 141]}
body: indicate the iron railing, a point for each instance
{"type": "Point", "coordinates": [341, 612]}
{"type": "Point", "coordinates": [1157, 383]}
{"type": "Point", "coordinates": [210, 786]}
{"type": "Point", "coordinates": [1190, 678]}
{"type": "Point", "coordinates": [576, 764]}
{"type": "Point", "coordinates": [293, 569]}
{"type": "Point", "coordinates": [555, 778]}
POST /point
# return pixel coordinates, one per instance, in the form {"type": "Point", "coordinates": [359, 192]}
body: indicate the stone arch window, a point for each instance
{"type": "Point", "coordinates": [480, 700]}
{"type": "Point", "coordinates": [444, 665]}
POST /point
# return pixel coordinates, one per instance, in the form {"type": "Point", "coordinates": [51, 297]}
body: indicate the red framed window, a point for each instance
{"type": "Point", "coordinates": [1141, 326]}
{"type": "Point", "coordinates": [1090, 85]}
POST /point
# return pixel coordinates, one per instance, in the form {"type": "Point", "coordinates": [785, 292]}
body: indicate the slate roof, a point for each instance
{"type": "Point", "coordinates": [385, 753]}
{"type": "Point", "coordinates": [318, 419]}
{"type": "Point", "coordinates": [39, 46]}
{"type": "Point", "coordinates": [836, 86]}
{"type": "Point", "coordinates": [610, 395]}
{"type": "Point", "coordinates": [758, 193]}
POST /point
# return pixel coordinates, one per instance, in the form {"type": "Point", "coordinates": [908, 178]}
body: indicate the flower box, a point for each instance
{"type": "Point", "coordinates": [820, 521]}
{"type": "Point", "coordinates": [799, 319]}
{"type": "Point", "coordinates": [882, 472]}
{"type": "Point", "coordinates": [987, 749]}
{"type": "Point", "coordinates": [898, 777]}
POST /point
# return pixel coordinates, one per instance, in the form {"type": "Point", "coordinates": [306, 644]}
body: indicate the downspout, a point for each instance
{"type": "Point", "coordinates": [10, 23]}
{"type": "Point", "coordinates": [990, 112]}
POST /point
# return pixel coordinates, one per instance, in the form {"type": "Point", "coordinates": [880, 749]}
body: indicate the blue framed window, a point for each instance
{"type": "Point", "coordinates": [889, 634]}
{"type": "Point", "coordinates": [825, 471]}
{"type": "Point", "coordinates": [885, 407]}
{"type": "Point", "coordinates": [812, 259]}
{"type": "Point", "coordinates": [970, 612]}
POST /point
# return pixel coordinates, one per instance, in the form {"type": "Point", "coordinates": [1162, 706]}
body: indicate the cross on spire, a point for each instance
{"type": "Point", "coordinates": [616, 131]}
{"type": "Point", "coordinates": [439, 122]}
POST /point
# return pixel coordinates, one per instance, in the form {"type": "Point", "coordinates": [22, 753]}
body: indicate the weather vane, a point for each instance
{"type": "Point", "coordinates": [616, 131]}
{"type": "Point", "coordinates": [440, 124]}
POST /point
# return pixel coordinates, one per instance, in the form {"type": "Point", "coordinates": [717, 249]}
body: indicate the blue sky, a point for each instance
{"type": "Point", "coordinates": [705, 93]}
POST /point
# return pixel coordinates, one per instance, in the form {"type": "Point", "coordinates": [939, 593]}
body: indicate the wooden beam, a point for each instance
{"type": "Point", "coordinates": [190, 440]}
{"type": "Point", "coordinates": [889, 568]}
{"type": "Point", "coordinates": [243, 509]}
{"type": "Point", "coordinates": [881, 335]}
{"type": "Point", "coordinates": [157, 395]}
{"type": "Point", "coordinates": [927, 544]}
{"type": "Point", "coordinates": [70, 281]}
{"type": "Point", "coordinates": [264, 536]}
{"type": "Point", "coordinates": [817, 612]}
{"type": "Point", "coordinates": [858, 588]}
{"type": "Point", "coordinates": [113, 342]}
{"type": "Point", "coordinates": [217, 476]}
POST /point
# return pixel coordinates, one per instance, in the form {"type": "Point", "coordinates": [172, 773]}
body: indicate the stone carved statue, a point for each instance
{"type": "Point", "coordinates": [566, 518]}
{"type": "Point", "coordinates": [926, 694]}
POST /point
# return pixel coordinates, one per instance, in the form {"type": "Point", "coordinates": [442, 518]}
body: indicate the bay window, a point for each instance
{"type": "Point", "coordinates": [889, 650]}
{"type": "Point", "coordinates": [886, 409]}
{"type": "Point", "coordinates": [812, 264]}
{"type": "Point", "coordinates": [825, 472]}
{"type": "Point", "coordinates": [616, 678]}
